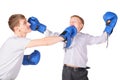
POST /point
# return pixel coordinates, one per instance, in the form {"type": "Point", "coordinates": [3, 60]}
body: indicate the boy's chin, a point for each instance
{"type": "Point", "coordinates": [30, 30]}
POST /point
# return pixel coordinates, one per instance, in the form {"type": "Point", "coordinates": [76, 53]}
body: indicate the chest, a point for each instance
{"type": "Point", "coordinates": [79, 40]}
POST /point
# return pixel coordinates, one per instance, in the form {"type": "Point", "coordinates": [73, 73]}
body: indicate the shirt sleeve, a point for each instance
{"type": "Point", "coordinates": [20, 43]}
{"type": "Point", "coordinates": [50, 33]}
{"type": "Point", "coordinates": [96, 39]}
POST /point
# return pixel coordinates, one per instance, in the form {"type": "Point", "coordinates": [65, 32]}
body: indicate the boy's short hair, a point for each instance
{"type": "Point", "coordinates": [14, 20]}
{"type": "Point", "coordinates": [82, 20]}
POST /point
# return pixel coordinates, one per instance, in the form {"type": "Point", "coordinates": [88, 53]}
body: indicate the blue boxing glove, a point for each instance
{"type": "Point", "coordinates": [36, 25]}
{"type": "Point", "coordinates": [110, 19]}
{"type": "Point", "coordinates": [68, 34]}
{"type": "Point", "coordinates": [32, 59]}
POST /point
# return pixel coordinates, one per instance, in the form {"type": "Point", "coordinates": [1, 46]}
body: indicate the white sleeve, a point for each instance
{"type": "Point", "coordinates": [50, 33]}
{"type": "Point", "coordinates": [96, 39]}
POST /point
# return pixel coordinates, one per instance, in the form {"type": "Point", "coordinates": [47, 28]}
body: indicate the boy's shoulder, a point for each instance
{"type": "Point", "coordinates": [81, 33]}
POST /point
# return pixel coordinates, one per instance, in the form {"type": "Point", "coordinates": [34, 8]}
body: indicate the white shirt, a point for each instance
{"type": "Point", "coordinates": [11, 56]}
{"type": "Point", "coordinates": [76, 54]}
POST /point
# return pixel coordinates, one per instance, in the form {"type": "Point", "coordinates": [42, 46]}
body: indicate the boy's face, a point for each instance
{"type": "Point", "coordinates": [77, 23]}
{"type": "Point", "coordinates": [24, 26]}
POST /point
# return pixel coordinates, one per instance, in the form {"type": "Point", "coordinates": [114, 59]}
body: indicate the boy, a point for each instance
{"type": "Point", "coordinates": [75, 58]}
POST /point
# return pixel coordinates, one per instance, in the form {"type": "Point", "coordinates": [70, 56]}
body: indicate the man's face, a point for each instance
{"type": "Point", "coordinates": [75, 21]}
{"type": "Point", "coordinates": [24, 26]}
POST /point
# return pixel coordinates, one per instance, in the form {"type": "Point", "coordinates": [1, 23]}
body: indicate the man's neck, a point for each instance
{"type": "Point", "coordinates": [20, 34]}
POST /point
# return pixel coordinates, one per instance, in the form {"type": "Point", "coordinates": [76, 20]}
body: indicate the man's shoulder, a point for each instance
{"type": "Point", "coordinates": [16, 38]}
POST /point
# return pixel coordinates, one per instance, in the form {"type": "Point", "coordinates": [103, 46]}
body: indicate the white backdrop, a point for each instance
{"type": "Point", "coordinates": [104, 62]}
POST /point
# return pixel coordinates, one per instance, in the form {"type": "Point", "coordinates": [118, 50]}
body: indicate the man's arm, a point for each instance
{"type": "Point", "coordinates": [67, 34]}
{"type": "Point", "coordinates": [44, 41]}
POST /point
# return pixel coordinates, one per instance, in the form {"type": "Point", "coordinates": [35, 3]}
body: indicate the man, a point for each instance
{"type": "Point", "coordinates": [12, 51]}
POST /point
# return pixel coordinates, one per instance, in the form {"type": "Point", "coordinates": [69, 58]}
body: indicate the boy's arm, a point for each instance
{"type": "Point", "coordinates": [44, 41]}
{"type": "Point", "coordinates": [110, 19]}
{"type": "Point", "coordinates": [50, 33]}
{"type": "Point", "coordinates": [96, 39]}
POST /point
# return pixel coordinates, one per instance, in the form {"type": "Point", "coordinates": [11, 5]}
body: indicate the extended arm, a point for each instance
{"type": "Point", "coordinates": [67, 34]}
{"type": "Point", "coordinates": [44, 41]}
{"type": "Point", "coordinates": [110, 19]}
